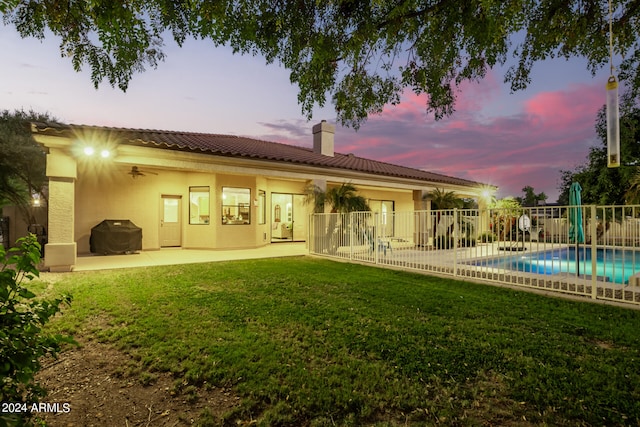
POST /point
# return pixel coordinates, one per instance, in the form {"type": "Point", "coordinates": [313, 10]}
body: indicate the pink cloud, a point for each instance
{"type": "Point", "coordinates": [561, 108]}
{"type": "Point", "coordinates": [412, 107]}
{"type": "Point", "coordinates": [473, 96]}
{"type": "Point", "coordinates": [546, 133]}
{"type": "Point", "coordinates": [512, 146]}
{"type": "Point", "coordinates": [470, 97]}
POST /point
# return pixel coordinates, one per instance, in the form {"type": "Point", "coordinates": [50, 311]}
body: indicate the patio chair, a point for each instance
{"type": "Point", "coordinates": [383, 245]}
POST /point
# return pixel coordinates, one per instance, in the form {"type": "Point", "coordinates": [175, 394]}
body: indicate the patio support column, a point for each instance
{"type": "Point", "coordinates": [60, 251]}
{"type": "Point", "coordinates": [316, 234]}
{"type": "Point", "coordinates": [419, 201]}
{"type": "Point", "coordinates": [483, 225]}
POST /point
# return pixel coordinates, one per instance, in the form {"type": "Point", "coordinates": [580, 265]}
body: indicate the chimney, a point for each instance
{"type": "Point", "coordinates": [323, 134]}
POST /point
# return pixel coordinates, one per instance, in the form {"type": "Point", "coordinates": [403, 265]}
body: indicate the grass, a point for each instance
{"type": "Point", "coordinates": [314, 342]}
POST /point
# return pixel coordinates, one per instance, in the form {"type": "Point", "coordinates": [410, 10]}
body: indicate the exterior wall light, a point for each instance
{"type": "Point", "coordinates": [97, 146]}
{"type": "Point", "coordinates": [90, 151]}
{"type": "Point", "coordinates": [487, 194]}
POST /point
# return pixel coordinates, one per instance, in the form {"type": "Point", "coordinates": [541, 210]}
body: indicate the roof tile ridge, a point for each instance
{"type": "Point", "coordinates": [170, 132]}
{"type": "Point", "coordinates": [403, 166]}
{"type": "Point", "coordinates": [284, 144]}
{"type": "Point", "coordinates": [150, 130]}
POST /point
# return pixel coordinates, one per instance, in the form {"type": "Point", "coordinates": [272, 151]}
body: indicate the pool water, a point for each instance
{"type": "Point", "coordinates": [614, 265]}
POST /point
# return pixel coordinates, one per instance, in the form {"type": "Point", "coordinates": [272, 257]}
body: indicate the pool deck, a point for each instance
{"type": "Point", "coordinates": [481, 251]}
{"type": "Point", "coordinates": [462, 260]}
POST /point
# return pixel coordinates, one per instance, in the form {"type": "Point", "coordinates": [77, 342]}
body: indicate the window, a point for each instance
{"type": "Point", "coordinates": [199, 205]}
{"type": "Point", "coordinates": [236, 206]}
{"type": "Point", "coordinates": [262, 211]}
{"type": "Point", "coordinates": [381, 206]}
{"type": "Point", "coordinates": [385, 209]}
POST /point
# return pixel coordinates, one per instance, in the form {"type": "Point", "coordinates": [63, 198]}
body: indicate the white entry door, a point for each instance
{"type": "Point", "coordinates": [170, 221]}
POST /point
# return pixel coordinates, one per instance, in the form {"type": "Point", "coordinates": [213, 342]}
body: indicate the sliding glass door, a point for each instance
{"type": "Point", "coordinates": [288, 217]}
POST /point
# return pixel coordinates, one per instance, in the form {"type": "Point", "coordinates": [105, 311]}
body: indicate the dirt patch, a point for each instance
{"type": "Point", "coordinates": [92, 386]}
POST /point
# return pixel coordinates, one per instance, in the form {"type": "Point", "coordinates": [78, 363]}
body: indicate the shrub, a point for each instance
{"type": "Point", "coordinates": [487, 237]}
{"type": "Point", "coordinates": [22, 317]}
{"type": "Point", "coordinates": [467, 242]}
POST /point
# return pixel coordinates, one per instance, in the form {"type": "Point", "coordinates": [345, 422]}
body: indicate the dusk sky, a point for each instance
{"type": "Point", "coordinates": [494, 137]}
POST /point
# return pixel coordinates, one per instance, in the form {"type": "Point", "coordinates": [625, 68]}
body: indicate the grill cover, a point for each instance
{"type": "Point", "coordinates": [113, 236]}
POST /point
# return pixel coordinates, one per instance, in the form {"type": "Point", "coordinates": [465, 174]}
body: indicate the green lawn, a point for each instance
{"type": "Point", "coordinates": [314, 342]}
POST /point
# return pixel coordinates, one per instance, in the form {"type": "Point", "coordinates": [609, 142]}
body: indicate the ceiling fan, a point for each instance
{"type": "Point", "coordinates": [136, 172]}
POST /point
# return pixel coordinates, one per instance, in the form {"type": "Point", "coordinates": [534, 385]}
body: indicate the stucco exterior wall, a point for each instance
{"type": "Point", "coordinates": [111, 193]}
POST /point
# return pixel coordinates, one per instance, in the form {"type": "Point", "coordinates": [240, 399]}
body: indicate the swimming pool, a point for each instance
{"type": "Point", "coordinates": [614, 264]}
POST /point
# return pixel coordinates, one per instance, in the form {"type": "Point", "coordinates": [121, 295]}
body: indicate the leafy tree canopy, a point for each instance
{"type": "Point", "coordinates": [363, 54]}
{"type": "Point", "coordinates": [443, 199]}
{"type": "Point", "coordinates": [22, 161]}
{"type": "Point", "coordinates": [509, 206]}
{"type": "Point", "coordinates": [342, 199]}
{"type": "Point", "coordinates": [531, 198]}
{"type": "Point", "coordinates": [610, 186]}
{"type": "Point", "coordinates": [345, 198]}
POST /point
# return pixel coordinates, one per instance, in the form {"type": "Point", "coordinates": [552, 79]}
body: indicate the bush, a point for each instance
{"type": "Point", "coordinates": [22, 317]}
{"type": "Point", "coordinates": [467, 242]}
{"type": "Point", "coordinates": [487, 237]}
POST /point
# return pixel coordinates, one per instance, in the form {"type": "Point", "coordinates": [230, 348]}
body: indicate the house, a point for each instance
{"type": "Point", "coordinates": [195, 190]}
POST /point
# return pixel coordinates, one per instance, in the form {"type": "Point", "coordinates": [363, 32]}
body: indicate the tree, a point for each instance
{"type": "Point", "coordinates": [530, 197]}
{"type": "Point", "coordinates": [444, 222]}
{"type": "Point", "coordinates": [345, 199]}
{"type": "Point", "coordinates": [632, 195]}
{"type": "Point", "coordinates": [342, 199]}
{"type": "Point", "coordinates": [602, 185]}
{"type": "Point", "coordinates": [364, 54]}
{"type": "Point", "coordinates": [22, 162]}
{"type": "Point", "coordinates": [442, 199]}
{"type": "Point", "coordinates": [316, 196]}
{"type": "Point", "coordinates": [504, 214]}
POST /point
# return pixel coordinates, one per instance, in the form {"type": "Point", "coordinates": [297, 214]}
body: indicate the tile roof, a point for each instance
{"type": "Point", "coordinates": [238, 146]}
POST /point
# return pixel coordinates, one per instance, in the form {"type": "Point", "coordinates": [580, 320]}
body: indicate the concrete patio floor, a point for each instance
{"type": "Point", "coordinates": [173, 256]}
